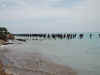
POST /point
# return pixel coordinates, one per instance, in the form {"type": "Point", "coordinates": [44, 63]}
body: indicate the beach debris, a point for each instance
{"type": "Point", "coordinates": [2, 42]}
{"type": "Point", "coordinates": [2, 71]}
{"type": "Point", "coordinates": [23, 40]}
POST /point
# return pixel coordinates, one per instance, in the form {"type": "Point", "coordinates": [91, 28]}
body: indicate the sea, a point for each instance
{"type": "Point", "coordinates": [83, 55]}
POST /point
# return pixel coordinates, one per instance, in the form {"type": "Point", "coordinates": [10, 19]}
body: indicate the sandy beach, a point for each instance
{"type": "Point", "coordinates": [19, 62]}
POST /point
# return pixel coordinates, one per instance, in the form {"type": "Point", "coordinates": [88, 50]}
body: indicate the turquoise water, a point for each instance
{"type": "Point", "coordinates": [81, 55]}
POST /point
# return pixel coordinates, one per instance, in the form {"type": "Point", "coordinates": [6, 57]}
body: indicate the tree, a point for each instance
{"type": "Point", "coordinates": [3, 33]}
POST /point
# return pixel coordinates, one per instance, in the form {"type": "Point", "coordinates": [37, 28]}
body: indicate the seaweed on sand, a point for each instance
{"type": "Point", "coordinates": [2, 71]}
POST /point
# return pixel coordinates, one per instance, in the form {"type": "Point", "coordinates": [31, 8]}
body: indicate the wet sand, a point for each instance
{"type": "Point", "coordinates": [3, 71]}
{"type": "Point", "coordinates": [20, 62]}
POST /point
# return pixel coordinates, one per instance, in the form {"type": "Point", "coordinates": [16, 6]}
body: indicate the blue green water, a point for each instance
{"type": "Point", "coordinates": [81, 55]}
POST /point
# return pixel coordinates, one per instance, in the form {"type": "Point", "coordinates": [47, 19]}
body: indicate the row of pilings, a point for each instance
{"type": "Point", "coordinates": [55, 36]}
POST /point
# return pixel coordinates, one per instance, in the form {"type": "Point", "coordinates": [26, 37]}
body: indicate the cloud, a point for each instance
{"type": "Point", "coordinates": [80, 4]}
{"type": "Point", "coordinates": [87, 19]}
{"type": "Point", "coordinates": [50, 16]}
{"type": "Point", "coordinates": [33, 13]}
{"type": "Point", "coordinates": [41, 3]}
{"type": "Point", "coordinates": [5, 4]}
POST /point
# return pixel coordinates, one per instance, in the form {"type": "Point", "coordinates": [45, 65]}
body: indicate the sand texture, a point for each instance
{"type": "Point", "coordinates": [19, 62]}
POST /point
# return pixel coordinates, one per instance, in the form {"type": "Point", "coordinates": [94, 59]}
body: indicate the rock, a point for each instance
{"type": "Point", "coordinates": [2, 42]}
{"type": "Point", "coordinates": [23, 40]}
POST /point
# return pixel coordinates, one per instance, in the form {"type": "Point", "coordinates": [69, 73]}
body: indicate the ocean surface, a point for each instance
{"type": "Point", "coordinates": [82, 55]}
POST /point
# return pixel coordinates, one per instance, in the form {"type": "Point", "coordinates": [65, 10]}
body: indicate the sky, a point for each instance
{"type": "Point", "coordinates": [50, 16]}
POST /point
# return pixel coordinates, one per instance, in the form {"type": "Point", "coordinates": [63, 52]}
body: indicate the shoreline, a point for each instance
{"type": "Point", "coordinates": [33, 63]}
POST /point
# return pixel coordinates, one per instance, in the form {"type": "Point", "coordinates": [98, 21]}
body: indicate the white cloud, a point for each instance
{"type": "Point", "coordinates": [33, 13]}
{"type": "Point", "coordinates": [87, 19]}
{"type": "Point", "coordinates": [83, 16]}
{"type": "Point", "coordinates": [80, 4]}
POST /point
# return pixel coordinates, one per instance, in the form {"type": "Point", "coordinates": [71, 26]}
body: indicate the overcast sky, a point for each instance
{"type": "Point", "coordinates": [22, 16]}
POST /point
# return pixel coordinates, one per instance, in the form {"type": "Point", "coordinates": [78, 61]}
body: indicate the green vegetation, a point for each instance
{"type": "Point", "coordinates": [3, 33]}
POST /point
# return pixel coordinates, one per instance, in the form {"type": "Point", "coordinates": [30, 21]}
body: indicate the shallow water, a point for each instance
{"type": "Point", "coordinates": [81, 55]}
